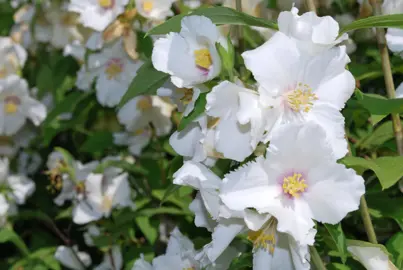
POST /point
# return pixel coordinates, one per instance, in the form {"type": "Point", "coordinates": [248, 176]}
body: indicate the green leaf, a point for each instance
{"type": "Point", "coordinates": [395, 247]}
{"type": "Point", "coordinates": [97, 142]}
{"type": "Point", "coordinates": [43, 259]}
{"type": "Point", "coordinates": [382, 206]}
{"type": "Point", "coordinates": [163, 210]}
{"type": "Point", "coordinates": [199, 108]}
{"type": "Point", "coordinates": [8, 235]}
{"type": "Point", "coordinates": [146, 82]}
{"type": "Point", "coordinates": [379, 136]}
{"type": "Point", "coordinates": [66, 105]}
{"type": "Point", "coordinates": [380, 105]}
{"type": "Point", "coordinates": [383, 21]}
{"type": "Point", "coordinates": [147, 229]}
{"type": "Point", "coordinates": [218, 15]}
{"type": "Point", "coordinates": [337, 234]}
{"type": "Point", "coordinates": [122, 164]}
{"type": "Point", "coordinates": [388, 169]}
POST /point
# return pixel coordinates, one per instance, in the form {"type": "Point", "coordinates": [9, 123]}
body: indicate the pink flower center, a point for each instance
{"type": "Point", "coordinates": [114, 67]}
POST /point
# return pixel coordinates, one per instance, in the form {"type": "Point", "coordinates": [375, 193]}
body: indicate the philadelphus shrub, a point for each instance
{"type": "Point", "coordinates": [201, 135]}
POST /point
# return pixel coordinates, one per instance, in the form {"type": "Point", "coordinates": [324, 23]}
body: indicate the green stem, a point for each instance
{"type": "Point", "coordinates": [316, 259]}
{"type": "Point", "coordinates": [387, 73]}
{"type": "Point", "coordinates": [311, 5]}
{"type": "Point", "coordinates": [366, 218]}
{"type": "Point", "coordinates": [239, 32]}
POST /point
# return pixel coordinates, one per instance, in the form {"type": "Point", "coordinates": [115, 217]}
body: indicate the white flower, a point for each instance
{"type": "Point", "coordinates": [184, 98]}
{"type": "Point", "coordinates": [299, 181]}
{"type": "Point", "coordinates": [202, 216]}
{"type": "Point", "coordinates": [296, 87]}
{"type": "Point", "coordinates": [190, 56]}
{"type": "Point", "coordinates": [97, 14]}
{"type": "Point", "coordinates": [394, 36]}
{"type": "Point", "coordinates": [17, 188]}
{"type": "Point", "coordinates": [192, 3]}
{"type": "Point", "coordinates": [392, 7]}
{"type": "Point", "coordinates": [239, 117]}
{"type": "Point", "coordinates": [196, 175]}
{"type": "Point", "coordinates": [136, 140]}
{"type": "Point", "coordinates": [16, 105]}
{"type": "Point", "coordinates": [12, 57]}
{"type": "Point", "coordinates": [65, 255]}
{"type": "Point", "coordinates": [196, 141]}
{"type": "Point", "coordinates": [112, 260]}
{"type": "Point", "coordinates": [372, 258]}
{"type": "Point", "coordinates": [141, 111]}
{"type": "Point", "coordinates": [157, 10]}
{"type": "Point", "coordinates": [313, 34]}
{"type": "Point", "coordinates": [92, 231]}
{"type": "Point", "coordinates": [21, 32]}
{"type": "Point", "coordinates": [114, 70]}
{"type": "Point", "coordinates": [99, 195]}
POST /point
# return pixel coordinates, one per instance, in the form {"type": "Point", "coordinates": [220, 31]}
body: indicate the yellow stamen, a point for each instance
{"type": "Point", "coordinates": [187, 95]}
{"type": "Point", "coordinates": [302, 98]}
{"type": "Point", "coordinates": [203, 58]}
{"type": "Point", "coordinates": [265, 238]}
{"type": "Point", "coordinates": [144, 104]}
{"type": "Point", "coordinates": [80, 187]}
{"type": "Point", "coordinates": [148, 6]}
{"type": "Point", "coordinates": [3, 73]}
{"type": "Point", "coordinates": [294, 185]}
{"type": "Point", "coordinates": [105, 3]}
{"type": "Point", "coordinates": [114, 68]}
{"type": "Point", "coordinates": [107, 203]}
{"type": "Point", "coordinates": [213, 122]}
{"type": "Point", "coordinates": [68, 19]}
{"type": "Point", "coordinates": [10, 108]}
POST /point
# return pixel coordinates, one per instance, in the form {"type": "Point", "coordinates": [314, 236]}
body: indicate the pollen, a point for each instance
{"type": "Point", "coordinates": [265, 238]}
{"type": "Point", "coordinates": [148, 6]}
{"type": "Point", "coordinates": [80, 188]}
{"type": "Point", "coordinates": [187, 95]}
{"type": "Point", "coordinates": [203, 58]}
{"type": "Point", "coordinates": [106, 3]}
{"type": "Point", "coordinates": [114, 67]}
{"type": "Point", "coordinates": [301, 99]}
{"type": "Point", "coordinates": [107, 203]}
{"type": "Point", "coordinates": [294, 185]}
{"type": "Point", "coordinates": [144, 104]}
{"type": "Point", "coordinates": [11, 104]}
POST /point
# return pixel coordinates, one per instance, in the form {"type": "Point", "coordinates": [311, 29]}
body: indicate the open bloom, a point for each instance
{"type": "Point", "coordinates": [296, 87]}
{"type": "Point", "coordinates": [97, 14]}
{"type": "Point", "coordinates": [99, 194]}
{"type": "Point", "coordinates": [196, 141]}
{"type": "Point", "coordinates": [114, 71]}
{"type": "Point", "coordinates": [65, 255]}
{"type": "Point", "coordinates": [17, 105]}
{"type": "Point", "coordinates": [190, 56]}
{"type": "Point", "coordinates": [141, 111]}
{"type": "Point", "coordinates": [156, 10]}
{"type": "Point", "coordinates": [238, 116]}
{"type": "Point", "coordinates": [180, 254]}
{"type": "Point", "coordinates": [272, 248]}
{"type": "Point", "coordinates": [15, 189]}
{"type": "Point", "coordinates": [12, 57]}
{"type": "Point", "coordinates": [135, 140]}
{"type": "Point", "coordinates": [312, 34]}
{"type": "Point", "coordinates": [299, 181]}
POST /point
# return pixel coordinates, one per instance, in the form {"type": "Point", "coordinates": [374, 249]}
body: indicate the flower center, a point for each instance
{"type": "Point", "coordinates": [144, 104]}
{"type": "Point", "coordinates": [187, 95]}
{"type": "Point", "coordinates": [148, 6]}
{"type": "Point", "coordinates": [3, 72]}
{"type": "Point", "coordinates": [294, 185]}
{"type": "Point", "coordinates": [68, 19]}
{"type": "Point", "coordinates": [265, 238]}
{"type": "Point", "coordinates": [301, 99]}
{"type": "Point", "coordinates": [203, 58]}
{"type": "Point", "coordinates": [106, 3]}
{"type": "Point", "coordinates": [106, 203]}
{"type": "Point", "coordinates": [11, 104]}
{"type": "Point", "coordinates": [80, 188]}
{"type": "Point", "coordinates": [114, 67]}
